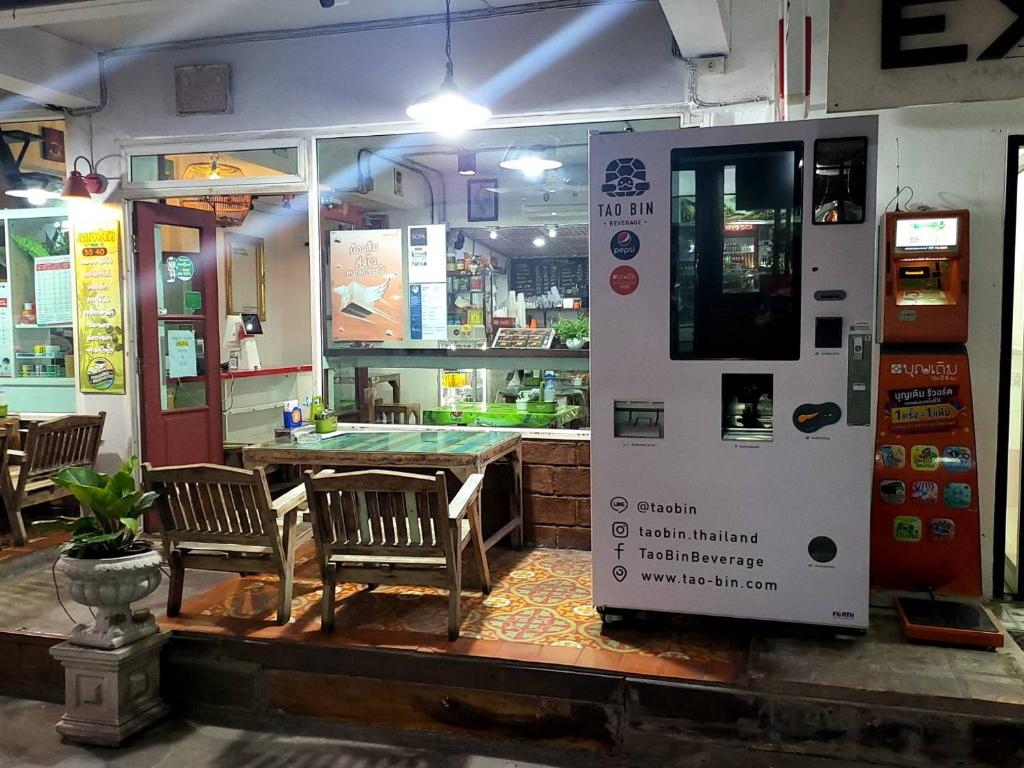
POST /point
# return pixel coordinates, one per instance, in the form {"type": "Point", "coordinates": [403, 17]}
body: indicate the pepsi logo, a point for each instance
{"type": "Point", "coordinates": [625, 245]}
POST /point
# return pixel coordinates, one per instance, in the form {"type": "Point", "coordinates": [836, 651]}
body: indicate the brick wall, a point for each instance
{"type": "Point", "coordinates": [556, 493]}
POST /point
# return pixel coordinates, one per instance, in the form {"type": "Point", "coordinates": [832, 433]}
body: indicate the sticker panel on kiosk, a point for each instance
{"type": "Point", "coordinates": [732, 404]}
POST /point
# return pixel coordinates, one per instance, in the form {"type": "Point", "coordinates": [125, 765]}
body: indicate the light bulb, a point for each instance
{"type": "Point", "coordinates": [538, 242]}
{"type": "Point", "coordinates": [552, 232]}
{"type": "Point", "coordinates": [448, 112]}
{"type": "Point", "coordinates": [494, 234]}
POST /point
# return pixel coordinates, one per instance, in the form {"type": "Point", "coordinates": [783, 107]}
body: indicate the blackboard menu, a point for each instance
{"type": "Point", "coordinates": [535, 277]}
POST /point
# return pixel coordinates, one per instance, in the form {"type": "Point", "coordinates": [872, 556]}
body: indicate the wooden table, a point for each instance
{"type": "Point", "coordinates": [461, 452]}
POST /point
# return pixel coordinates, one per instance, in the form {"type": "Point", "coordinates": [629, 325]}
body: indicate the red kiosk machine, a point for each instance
{"type": "Point", "coordinates": [925, 534]}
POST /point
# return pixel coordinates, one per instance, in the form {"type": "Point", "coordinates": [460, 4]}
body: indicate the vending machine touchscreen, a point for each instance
{"type": "Point", "coordinates": [732, 370]}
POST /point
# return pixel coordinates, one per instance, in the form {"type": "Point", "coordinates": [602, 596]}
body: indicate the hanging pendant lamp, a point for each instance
{"type": "Point", "coordinates": [448, 111]}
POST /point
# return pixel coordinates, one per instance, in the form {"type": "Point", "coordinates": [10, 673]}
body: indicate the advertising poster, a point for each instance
{"type": "Point", "coordinates": [53, 290]}
{"type": "Point", "coordinates": [428, 311]}
{"type": "Point", "coordinates": [100, 321]}
{"type": "Point", "coordinates": [427, 254]}
{"type": "Point", "coordinates": [924, 526]}
{"type": "Point", "coordinates": [6, 336]}
{"type": "Point", "coordinates": [367, 299]}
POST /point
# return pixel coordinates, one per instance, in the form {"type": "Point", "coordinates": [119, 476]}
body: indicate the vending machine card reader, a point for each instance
{"type": "Point", "coordinates": [925, 277]}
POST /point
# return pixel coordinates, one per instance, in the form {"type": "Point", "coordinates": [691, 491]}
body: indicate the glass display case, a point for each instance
{"type": "Point", "coordinates": [37, 356]}
{"type": "Point", "coordinates": [736, 253]}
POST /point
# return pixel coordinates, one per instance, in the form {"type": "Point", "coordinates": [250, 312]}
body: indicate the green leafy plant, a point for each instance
{"type": "Point", "coordinates": [31, 246]}
{"type": "Point", "coordinates": [113, 504]}
{"type": "Point", "coordinates": [575, 328]}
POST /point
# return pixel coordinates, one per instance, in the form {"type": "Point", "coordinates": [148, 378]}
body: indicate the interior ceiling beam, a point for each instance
{"type": "Point", "coordinates": [47, 69]}
{"type": "Point", "coordinates": [700, 27]}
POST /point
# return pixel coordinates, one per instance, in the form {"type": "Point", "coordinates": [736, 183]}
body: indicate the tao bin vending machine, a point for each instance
{"type": "Point", "coordinates": [924, 528]}
{"type": "Point", "coordinates": [732, 290]}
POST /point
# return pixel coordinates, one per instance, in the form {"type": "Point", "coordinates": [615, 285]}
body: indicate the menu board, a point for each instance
{"type": "Point", "coordinates": [535, 277]}
{"type": "Point", "coordinates": [100, 320]}
{"type": "Point", "coordinates": [53, 290]}
{"type": "Point", "coordinates": [523, 338]}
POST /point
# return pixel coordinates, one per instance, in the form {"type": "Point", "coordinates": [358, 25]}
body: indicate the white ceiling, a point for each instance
{"type": "Point", "coordinates": [111, 24]}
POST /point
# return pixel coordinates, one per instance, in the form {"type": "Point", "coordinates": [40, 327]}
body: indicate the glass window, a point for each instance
{"type": "Point", "coordinates": [460, 267]}
{"type": "Point", "coordinates": [37, 355]}
{"type": "Point", "coordinates": [247, 164]}
{"type": "Point", "coordinates": [736, 252]}
{"type": "Point", "coordinates": [840, 180]}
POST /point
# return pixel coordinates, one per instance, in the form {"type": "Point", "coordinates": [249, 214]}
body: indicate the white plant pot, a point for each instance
{"type": "Point", "coordinates": [575, 343]}
{"type": "Point", "coordinates": [111, 585]}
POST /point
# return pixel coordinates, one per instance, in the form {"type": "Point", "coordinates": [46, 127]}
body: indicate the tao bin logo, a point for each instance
{"type": "Point", "coordinates": [625, 245]}
{"type": "Point", "coordinates": [625, 177]}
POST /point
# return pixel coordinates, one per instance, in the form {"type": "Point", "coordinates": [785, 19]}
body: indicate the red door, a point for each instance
{"type": "Point", "coordinates": [179, 330]}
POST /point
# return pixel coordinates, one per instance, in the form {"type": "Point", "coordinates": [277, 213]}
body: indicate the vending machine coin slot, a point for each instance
{"type": "Point", "coordinates": [858, 382]}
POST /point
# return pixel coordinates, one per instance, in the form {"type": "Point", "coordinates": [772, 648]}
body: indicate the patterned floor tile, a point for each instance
{"type": "Point", "coordinates": [540, 598]}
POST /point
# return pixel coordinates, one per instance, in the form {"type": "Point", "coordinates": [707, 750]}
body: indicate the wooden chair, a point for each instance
{"type": "Point", "coordinates": [381, 527]}
{"type": "Point", "coordinates": [215, 518]}
{"type": "Point", "coordinates": [397, 413]}
{"type": "Point", "coordinates": [379, 412]}
{"type": "Point", "coordinates": [26, 477]}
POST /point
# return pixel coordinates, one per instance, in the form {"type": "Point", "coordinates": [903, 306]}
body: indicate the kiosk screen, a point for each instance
{"type": "Point", "coordinates": [926, 234]}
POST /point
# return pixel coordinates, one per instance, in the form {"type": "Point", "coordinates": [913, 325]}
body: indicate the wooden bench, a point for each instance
{"type": "Point", "coordinates": [216, 518]}
{"type": "Point", "coordinates": [383, 527]}
{"type": "Point", "coordinates": [26, 477]}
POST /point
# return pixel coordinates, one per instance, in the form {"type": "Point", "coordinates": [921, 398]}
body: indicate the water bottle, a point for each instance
{"type": "Point", "coordinates": [549, 386]}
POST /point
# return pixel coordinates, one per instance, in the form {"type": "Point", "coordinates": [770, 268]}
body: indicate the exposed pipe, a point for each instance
{"type": "Point", "coordinates": [693, 100]}
{"type": "Point", "coordinates": [365, 189]}
{"type": "Point", "coordinates": [364, 26]}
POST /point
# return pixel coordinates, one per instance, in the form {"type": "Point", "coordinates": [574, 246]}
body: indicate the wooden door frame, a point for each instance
{"type": "Point", "coordinates": [1015, 145]}
{"type": "Point", "coordinates": [145, 216]}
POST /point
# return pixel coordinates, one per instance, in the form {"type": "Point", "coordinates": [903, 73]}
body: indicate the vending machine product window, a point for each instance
{"type": "Point", "coordinates": [840, 180]}
{"type": "Point", "coordinates": [736, 215]}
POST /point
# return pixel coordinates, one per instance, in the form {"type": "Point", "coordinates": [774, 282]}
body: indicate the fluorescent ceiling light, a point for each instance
{"type": "Point", "coordinates": [532, 162]}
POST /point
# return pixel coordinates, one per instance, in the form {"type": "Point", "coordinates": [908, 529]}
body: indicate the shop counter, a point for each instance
{"type": "Point", "coordinates": [501, 415]}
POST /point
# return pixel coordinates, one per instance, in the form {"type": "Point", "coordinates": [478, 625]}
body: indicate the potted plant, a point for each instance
{"type": "Point", "coordinates": [574, 332]}
{"type": "Point", "coordinates": [108, 565]}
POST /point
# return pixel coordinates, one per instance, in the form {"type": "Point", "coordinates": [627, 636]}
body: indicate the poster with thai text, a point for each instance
{"type": "Point", "coordinates": [100, 320]}
{"type": "Point", "coordinates": [53, 290]}
{"type": "Point", "coordinates": [367, 298]}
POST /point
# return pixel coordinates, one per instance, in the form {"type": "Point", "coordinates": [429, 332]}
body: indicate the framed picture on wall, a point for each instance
{"type": "Point", "coordinates": [482, 199]}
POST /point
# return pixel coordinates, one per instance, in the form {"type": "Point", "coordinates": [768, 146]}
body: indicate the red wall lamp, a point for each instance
{"type": "Point", "coordinates": [79, 187]}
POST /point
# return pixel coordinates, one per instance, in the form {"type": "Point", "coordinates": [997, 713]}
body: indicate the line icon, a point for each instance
{"type": "Point", "coordinates": [619, 504]}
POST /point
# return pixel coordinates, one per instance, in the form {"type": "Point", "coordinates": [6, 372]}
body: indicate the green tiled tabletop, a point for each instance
{"type": "Point", "coordinates": [446, 441]}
